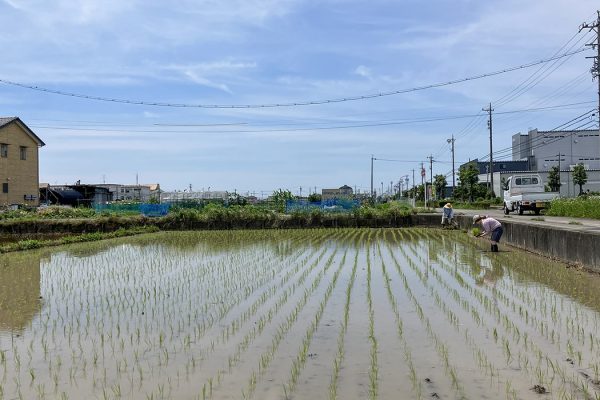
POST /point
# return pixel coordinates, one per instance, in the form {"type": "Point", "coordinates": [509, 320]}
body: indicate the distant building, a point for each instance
{"type": "Point", "coordinates": [172, 197]}
{"type": "Point", "coordinates": [543, 149]}
{"type": "Point", "coordinates": [19, 163]}
{"type": "Point", "coordinates": [137, 193]}
{"type": "Point", "coordinates": [76, 195]}
{"type": "Point", "coordinates": [344, 192]}
{"type": "Point", "coordinates": [498, 166]}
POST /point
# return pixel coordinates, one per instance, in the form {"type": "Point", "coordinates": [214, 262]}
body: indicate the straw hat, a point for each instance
{"type": "Point", "coordinates": [448, 205]}
{"type": "Point", "coordinates": [477, 217]}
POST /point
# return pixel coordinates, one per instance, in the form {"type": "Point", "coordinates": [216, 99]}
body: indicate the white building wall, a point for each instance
{"type": "Point", "coordinates": [574, 147]}
{"type": "Point", "coordinates": [567, 189]}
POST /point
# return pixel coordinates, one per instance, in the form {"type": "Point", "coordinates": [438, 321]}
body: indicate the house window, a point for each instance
{"type": "Point", "coordinates": [3, 150]}
{"type": "Point", "coordinates": [23, 152]}
{"type": "Point", "coordinates": [5, 187]}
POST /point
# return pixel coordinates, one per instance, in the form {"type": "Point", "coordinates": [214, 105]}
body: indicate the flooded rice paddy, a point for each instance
{"type": "Point", "coordinates": [306, 314]}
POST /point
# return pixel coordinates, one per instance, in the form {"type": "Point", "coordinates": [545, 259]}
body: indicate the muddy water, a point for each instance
{"type": "Point", "coordinates": [307, 314]}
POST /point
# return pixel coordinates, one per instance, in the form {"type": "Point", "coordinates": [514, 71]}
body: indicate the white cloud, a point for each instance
{"type": "Point", "coordinates": [363, 71]}
{"type": "Point", "coordinates": [208, 74]}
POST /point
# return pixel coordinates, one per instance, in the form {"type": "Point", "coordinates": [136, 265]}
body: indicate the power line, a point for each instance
{"type": "Point", "coordinates": [538, 142]}
{"type": "Point", "coordinates": [561, 90]}
{"type": "Point", "coordinates": [544, 71]}
{"type": "Point", "coordinates": [367, 124]}
{"type": "Point", "coordinates": [535, 141]}
{"type": "Point", "coordinates": [291, 104]}
{"type": "Point", "coordinates": [520, 89]}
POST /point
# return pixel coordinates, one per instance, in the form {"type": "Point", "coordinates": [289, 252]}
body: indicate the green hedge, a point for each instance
{"type": "Point", "coordinates": [580, 207]}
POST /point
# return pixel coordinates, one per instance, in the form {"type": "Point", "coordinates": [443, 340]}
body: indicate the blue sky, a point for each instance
{"type": "Point", "coordinates": [256, 52]}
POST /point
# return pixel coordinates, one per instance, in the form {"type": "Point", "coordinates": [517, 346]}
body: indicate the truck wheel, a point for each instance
{"type": "Point", "coordinates": [520, 209]}
{"type": "Point", "coordinates": [506, 210]}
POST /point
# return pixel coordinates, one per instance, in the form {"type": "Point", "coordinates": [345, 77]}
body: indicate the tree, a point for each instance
{"type": "Point", "coordinates": [579, 177]}
{"type": "Point", "coordinates": [554, 179]}
{"type": "Point", "coordinates": [417, 192]}
{"type": "Point", "coordinates": [280, 197]}
{"type": "Point", "coordinates": [234, 199]}
{"type": "Point", "coordinates": [314, 197]}
{"type": "Point", "coordinates": [467, 176]}
{"type": "Point", "coordinates": [439, 183]}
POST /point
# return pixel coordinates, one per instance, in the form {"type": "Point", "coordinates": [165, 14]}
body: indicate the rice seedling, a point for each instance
{"type": "Point", "coordinates": [144, 317]}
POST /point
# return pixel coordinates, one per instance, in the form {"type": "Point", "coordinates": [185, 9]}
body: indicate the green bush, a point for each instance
{"type": "Point", "coordinates": [29, 244]}
{"type": "Point", "coordinates": [581, 207]}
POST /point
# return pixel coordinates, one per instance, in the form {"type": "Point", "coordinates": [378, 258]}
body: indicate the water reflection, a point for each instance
{"type": "Point", "coordinates": [20, 295]}
{"type": "Point", "coordinates": [19, 290]}
{"type": "Point", "coordinates": [178, 296]}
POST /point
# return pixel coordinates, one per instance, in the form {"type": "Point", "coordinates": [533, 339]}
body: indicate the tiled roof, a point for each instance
{"type": "Point", "coordinates": [7, 120]}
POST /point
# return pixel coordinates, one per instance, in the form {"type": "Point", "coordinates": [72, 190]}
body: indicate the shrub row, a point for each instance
{"type": "Point", "coordinates": [214, 216]}
{"type": "Point", "coordinates": [580, 207]}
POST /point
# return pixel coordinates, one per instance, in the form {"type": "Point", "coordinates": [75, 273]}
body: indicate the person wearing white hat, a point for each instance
{"type": "Point", "coordinates": [490, 226]}
{"type": "Point", "coordinates": [447, 214]}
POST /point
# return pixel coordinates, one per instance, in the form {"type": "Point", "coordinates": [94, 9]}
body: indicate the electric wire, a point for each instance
{"type": "Point", "coordinates": [289, 104]}
{"type": "Point", "coordinates": [538, 141]}
{"type": "Point", "coordinates": [367, 124]}
{"type": "Point", "coordinates": [542, 73]}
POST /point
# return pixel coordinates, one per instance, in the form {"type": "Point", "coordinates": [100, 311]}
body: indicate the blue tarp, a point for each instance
{"type": "Point", "coordinates": [331, 205]}
{"type": "Point", "coordinates": [146, 209]}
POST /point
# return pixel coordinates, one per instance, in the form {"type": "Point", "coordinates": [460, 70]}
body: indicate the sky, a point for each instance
{"type": "Point", "coordinates": [181, 66]}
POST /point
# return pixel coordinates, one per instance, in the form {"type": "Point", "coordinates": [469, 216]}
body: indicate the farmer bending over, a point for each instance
{"type": "Point", "coordinates": [447, 214]}
{"type": "Point", "coordinates": [490, 225]}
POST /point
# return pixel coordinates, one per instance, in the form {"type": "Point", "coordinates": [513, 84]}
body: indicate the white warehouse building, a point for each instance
{"type": "Point", "coordinates": [563, 149]}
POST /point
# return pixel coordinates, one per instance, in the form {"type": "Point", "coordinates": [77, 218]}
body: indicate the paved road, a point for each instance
{"type": "Point", "coordinates": [567, 223]}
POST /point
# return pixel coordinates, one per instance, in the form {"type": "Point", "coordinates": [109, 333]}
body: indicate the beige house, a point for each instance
{"type": "Point", "coordinates": [19, 163]}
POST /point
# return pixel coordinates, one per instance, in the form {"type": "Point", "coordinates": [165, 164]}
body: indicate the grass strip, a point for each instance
{"type": "Point", "coordinates": [86, 237]}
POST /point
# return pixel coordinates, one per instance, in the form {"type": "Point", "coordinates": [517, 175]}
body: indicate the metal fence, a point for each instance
{"type": "Point", "coordinates": [332, 205]}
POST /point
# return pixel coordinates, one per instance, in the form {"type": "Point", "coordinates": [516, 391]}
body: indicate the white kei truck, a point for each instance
{"type": "Point", "coordinates": [526, 192]}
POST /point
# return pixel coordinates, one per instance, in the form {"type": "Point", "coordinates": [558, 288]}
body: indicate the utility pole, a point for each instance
{"type": "Point", "coordinates": [559, 156]}
{"type": "Point", "coordinates": [595, 70]}
{"type": "Point", "coordinates": [413, 186]}
{"type": "Point", "coordinates": [423, 184]}
{"type": "Point", "coordinates": [431, 173]}
{"type": "Point", "coordinates": [489, 110]}
{"type": "Point", "coordinates": [451, 141]}
{"type": "Point", "coordinates": [372, 158]}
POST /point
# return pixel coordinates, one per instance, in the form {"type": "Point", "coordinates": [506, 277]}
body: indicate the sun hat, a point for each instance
{"type": "Point", "coordinates": [449, 205]}
{"type": "Point", "coordinates": [476, 218]}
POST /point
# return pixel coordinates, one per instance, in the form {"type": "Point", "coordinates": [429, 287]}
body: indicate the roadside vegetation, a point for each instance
{"type": "Point", "coordinates": [580, 207]}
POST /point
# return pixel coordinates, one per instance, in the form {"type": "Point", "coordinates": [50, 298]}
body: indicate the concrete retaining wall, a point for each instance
{"type": "Point", "coordinates": [571, 245]}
